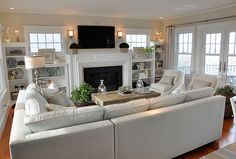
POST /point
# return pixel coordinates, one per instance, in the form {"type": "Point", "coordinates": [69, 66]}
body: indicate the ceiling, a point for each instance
{"type": "Point", "coordinates": [138, 9]}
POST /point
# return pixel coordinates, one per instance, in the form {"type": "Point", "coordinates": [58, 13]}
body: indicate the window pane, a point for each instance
{"type": "Point", "coordinates": [212, 49]}
{"type": "Point", "coordinates": [181, 38]}
{"type": "Point", "coordinates": [128, 39]}
{"type": "Point", "coordinates": [144, 44]}
{"type": "Point", "coordinates": [139, 38]}
{"type": "Point", "coordinates": [144, 38]}
{"type": "Point", "coordinates": [33, 48]}
{"type": "Point", "coordinates": [217, 48]}
{"type": "Point", "coordinates": [212, 65]}
{"type": "Point", "coordinates": [190, 38]}
{"type": "Point", "coordinates": [213, 38]}
{"type": "Point", "coordinates": [218, 38]}
{"type": "Point", "coordinates": [57, 47]}
{"type": "Point", "coordinates": [185, 38]}
{"type": "Point", "coordinates": [133, 38]}
{"type": "Point", "coordinates": [185, 48]}
{"type": "Point", "coordinates": [33, 38]}
{"type": "Point", "coordinates": [231, 71]}
{"type": "Point", "coordinates": [181, 48]}
{"type": "Point", "coordinates": [207, 48]}
{"type": "Point", "coordinates": [208, 38]}
{"type": "Point", "coordinates": [49, 45]}
{"type": "Point", "coordinates": [49, 38]}
{"type": "Point", "coordinates": [41, 38]}
{"type": "Point", "coordinates": [42, 46]}
{"type": "Point", "coordinates": [57, 37]}
{"type": "Point", "coordinates": [190, 48]}
{"type": "Point", "coordinates": [184, 63]}
{"type": "Point", "coordinates": [232, 37]}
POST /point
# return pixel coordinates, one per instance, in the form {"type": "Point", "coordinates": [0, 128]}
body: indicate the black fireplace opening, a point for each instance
{"type": "Point", "coordinates": [112, 77]}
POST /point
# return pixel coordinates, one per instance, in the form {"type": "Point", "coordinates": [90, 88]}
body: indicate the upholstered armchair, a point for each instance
{"type": "Point", "coordinates": [203, 80]}
{"type": "Point", "coordinates": [172, 81]}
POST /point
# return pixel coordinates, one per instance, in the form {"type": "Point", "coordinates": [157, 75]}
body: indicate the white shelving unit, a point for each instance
{"type": "Point", "coordinates": [159, 60]}
{"type": "Point", "coordinates": [14, 53]}
{"type": "Point", "coordinates": [144, 69]}
{"type": "Point", "coordinates": [55, 72]}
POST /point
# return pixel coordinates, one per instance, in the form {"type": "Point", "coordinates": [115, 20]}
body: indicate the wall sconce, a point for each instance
{"type": "Point", "coordinates": [119, 34]}
{"type": "Point", "coordinates": [70, 33]}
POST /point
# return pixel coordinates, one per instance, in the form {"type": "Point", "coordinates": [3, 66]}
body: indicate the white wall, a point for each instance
{"type": "Point", "coordinates": [18, 20]}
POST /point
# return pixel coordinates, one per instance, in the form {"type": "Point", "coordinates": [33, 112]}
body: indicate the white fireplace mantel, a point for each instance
{"type": "Point", "coordinates": [85, 60]}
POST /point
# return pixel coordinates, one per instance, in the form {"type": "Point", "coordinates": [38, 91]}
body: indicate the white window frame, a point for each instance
{"type": "Point", "coordinates": [139, 31]}
{"type": "Point", "coordinates": [183, 30]}
{"type": "Point", "coordinates": [44, 30]}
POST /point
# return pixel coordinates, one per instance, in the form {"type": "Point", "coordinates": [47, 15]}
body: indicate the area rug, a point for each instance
{"type": "Point", "coordinates": [228, 152]}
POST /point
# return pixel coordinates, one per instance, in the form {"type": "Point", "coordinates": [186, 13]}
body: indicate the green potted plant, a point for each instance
{"type": "Point", "coordinates": [124, 47]}
{"type": "Point", "coordinates": [227, 91]}
{"type": "Point", "coordinates": [149, 50]}
{"type": "Point", "coordinates": [82, 94]}
{"type": "Point", "coordinates": [74, 48]}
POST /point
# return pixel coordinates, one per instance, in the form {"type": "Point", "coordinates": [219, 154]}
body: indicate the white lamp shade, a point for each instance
{"type": "Point", "coordinates": [32, 62]}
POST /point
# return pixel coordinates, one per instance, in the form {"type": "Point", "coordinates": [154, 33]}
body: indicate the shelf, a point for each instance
{"type": "Point", "coordinates": [142, 70]}
{"type": "Point", "coordinates": [143, 60]}
{"type": "Point", "coordinates": [12, 68]}
{"type": "Point", "coordinates": [15, 56]}
{"type": "Point", "coordinates": [17, 80]}
{"type": "Point", "coordinates": [142, 78]}
{"type": "Point", "coordinates": [52, 77]}
{"type": "Point", "coordinates": [55, 65]}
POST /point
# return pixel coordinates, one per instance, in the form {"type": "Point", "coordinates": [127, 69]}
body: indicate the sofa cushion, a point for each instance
{"type": "Point", "coordinates": [35, 103]}
{"type": "Point", "coordinates": [198, 93]}
{"type": "Point", "coordinates": [167, 79]}
{"type": "Point", "coordinates": [197, 83]}
{"type": "Point", "coordinates": [50, 90]}
{"type": "Point", "coordinates": [54, 107]}
{"type": "Point", "coordinates": [60, 98]}
{"type": "Point", "coordinates": [166, 100]}
{"type": "Point", "coordinates": [117, 110]}
{"type": "Point", "coordinates": [161, 86]}
{"type": "Point", "coordinates": [63, 118]}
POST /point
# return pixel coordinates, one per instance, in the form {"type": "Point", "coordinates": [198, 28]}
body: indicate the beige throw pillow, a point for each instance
{"type": "Point", "coordinates": [167, 79]}
{"type": "Point", "coordinates": [200, 84]}
{"type": "Point", "coordinates": [60, 98]}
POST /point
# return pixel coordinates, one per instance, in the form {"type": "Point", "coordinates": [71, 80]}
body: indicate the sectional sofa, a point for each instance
{"type": "Point", "coordinates": [156, 128]}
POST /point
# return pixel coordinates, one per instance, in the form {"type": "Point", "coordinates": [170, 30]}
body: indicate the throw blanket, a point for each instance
{"type": "Point", "coordinates": [228, 152]}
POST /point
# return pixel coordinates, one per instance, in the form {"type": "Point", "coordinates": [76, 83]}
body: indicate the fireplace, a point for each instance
{"type": "Point", "coordinates": [112, 77]}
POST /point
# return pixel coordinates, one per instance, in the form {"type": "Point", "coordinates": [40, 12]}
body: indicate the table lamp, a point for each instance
{"type": "Point", "coordinates": [34, 62]}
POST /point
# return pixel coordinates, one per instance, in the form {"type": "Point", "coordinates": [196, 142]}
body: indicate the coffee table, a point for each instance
{"type": "Point", "coordinates": [113, 97]}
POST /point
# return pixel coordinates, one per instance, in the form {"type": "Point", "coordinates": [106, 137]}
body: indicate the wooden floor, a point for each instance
{"type": "Point", "coordinates": [228, 137]}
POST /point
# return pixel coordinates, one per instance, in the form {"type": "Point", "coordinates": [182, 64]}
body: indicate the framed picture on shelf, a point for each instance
{"type": "Point", "coordinates": [49, 55]}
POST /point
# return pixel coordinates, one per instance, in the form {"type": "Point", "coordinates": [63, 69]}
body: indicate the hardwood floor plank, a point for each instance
{"type": "Point", "coordinates": [228, 137]}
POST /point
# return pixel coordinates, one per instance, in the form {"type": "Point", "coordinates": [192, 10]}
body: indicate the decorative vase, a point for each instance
{"type": "Point", "coordinates": [139, 85]}
{"type": "Point", "coordinates": [101, 87]}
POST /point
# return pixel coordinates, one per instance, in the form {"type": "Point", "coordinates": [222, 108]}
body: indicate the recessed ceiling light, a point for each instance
{"type": "Point", "coordinates": [161, 17]}
{"type": "Point", "coordinates": [12, 8]}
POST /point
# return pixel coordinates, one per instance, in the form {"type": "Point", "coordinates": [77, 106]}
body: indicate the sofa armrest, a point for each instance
{"type": "Point", "coordinates": [87, 141]}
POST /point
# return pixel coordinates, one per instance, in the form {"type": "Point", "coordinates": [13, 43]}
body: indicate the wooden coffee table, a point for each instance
{"type": "Point", "coordinates": [113, 97]}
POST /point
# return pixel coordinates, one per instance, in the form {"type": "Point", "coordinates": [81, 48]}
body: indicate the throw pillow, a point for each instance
{"type": "Point", "coordinates": [117, 110]}
{"type": "Point", "coordinates": [35, 106]}
{"type": "Point", "coordinates": [167, 79]}
{"type": "Point", "coordinates": [198, 93]}
{"type": "Point", "coordinates": [60, 98]}
{"type": "Point", "coordinates": [50, 90]}
{"type": "Point", "coordinates": [200, 84]}
{"type": "Point", "coordinates": [54, 107]}
{"type": "Point", "coordinates": [33, 86]}
{"type": "Point", "coordinates": [63, 118]}
{"type": "Point", "coordinates": [166, 100]}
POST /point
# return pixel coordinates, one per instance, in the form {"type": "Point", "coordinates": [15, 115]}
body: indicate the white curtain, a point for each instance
{"type": "Point", "coordinates": [170, 47]}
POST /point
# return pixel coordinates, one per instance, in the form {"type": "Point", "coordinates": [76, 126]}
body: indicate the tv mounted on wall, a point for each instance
{"type": "Point", "coordinates": [93, 37]}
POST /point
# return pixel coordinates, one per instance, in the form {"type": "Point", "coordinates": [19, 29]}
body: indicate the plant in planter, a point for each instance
{"type": "Point", "coordinates": [74, 48]}
{"type": "Point", "coordinates": [82, 94]}
{"type": "Point", "coordinates": [124, 47]}
{"type": "Point", "coordinates": [149, 50]}
{"type": "Point", "coordinates": [227, 91]}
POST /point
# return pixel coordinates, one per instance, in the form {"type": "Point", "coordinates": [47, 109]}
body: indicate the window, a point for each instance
{"type": "Point", "coordinates": [45, 38]}
{"type": "Point", "coordinates": [137, 40]}
{"type": "Point", "coordinates": [212, 53]}
{"type": "Point", "coordinates": [184, 48]}
{"type": "Point", "coordinates": [137, 37]}
{"type": "Point", "coordinates": [45, 41]}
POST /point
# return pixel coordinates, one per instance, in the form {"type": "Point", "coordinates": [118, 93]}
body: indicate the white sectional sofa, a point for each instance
{"type": "Point", "coordinates": [159, 133]}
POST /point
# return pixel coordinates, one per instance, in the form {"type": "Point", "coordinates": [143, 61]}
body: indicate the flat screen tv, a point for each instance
{"type": "Point", "coordinates": [93, 37]}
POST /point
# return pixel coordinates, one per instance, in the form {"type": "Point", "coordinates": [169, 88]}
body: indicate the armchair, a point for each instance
{"type": "Point", "coordinates": [177, 82]}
